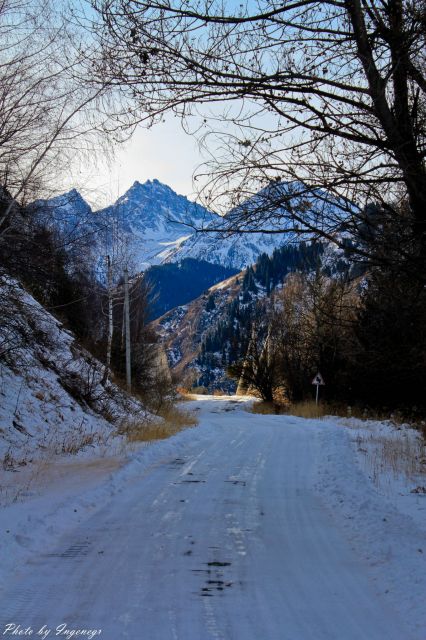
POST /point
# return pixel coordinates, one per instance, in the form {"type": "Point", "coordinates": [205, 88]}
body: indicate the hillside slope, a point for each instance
{"type": "Point", "coordinates": [183, 329]}
{"type": "Point", "coordinates": [52, 401]}
{"type": "Point", "coordinates": [172, 284]}
{"type": "Point", "coordinates": [211, 332]}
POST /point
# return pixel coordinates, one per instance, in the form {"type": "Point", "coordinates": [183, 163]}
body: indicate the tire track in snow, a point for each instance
{"type": "Point", "coordinates": [248, 528]}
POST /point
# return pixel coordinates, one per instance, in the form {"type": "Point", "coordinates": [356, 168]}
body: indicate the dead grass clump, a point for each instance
{"type": "Point", "coordinates": [308, 409]}
{"type": "Point", "coordinates": [174, 420]}
{"type": "Point", "coordinates": [403, 454]}
{"type": "Point", "coordinates": [267, 408]}
{"type": "Point", "coordinates": [305, 409]}
{"type": "Point", "coordinates": [72, 445]}
{"type": "Point", "coordinates": [10, 463]}
{"type": "Point", "coordinates": [183, 395]}
{"type": "Point", "coordinates": [177, 417]}
{"type": "Point", "coordinates": [200, 391]}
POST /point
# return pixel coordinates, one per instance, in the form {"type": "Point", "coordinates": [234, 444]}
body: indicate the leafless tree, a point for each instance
{"type": "Point", "coordinates": [329, 96]}
{"type": "Point", "coordinates": [312, 328]}
{"type": "Point", "coordinates": [52, 110]}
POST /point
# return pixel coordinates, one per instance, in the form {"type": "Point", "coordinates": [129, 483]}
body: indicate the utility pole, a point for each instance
{"type": "Point", "coordinates": [110, 322]}
{"type": "Point", "coordinates": [127, 325]}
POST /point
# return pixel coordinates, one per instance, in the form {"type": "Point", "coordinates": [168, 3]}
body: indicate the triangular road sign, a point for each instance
{"type": "Point", "coordinates": [318, 380]}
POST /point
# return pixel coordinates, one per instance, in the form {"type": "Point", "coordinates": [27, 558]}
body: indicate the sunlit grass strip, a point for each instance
{"type": "Point", "coordinates": [266, 408]}
{"type": "Point", "coordinates": [305, 409]}
{"type": "Point", "coordinates": [174, 421]}
{"type": "Point", "coordinates": [308, 409]}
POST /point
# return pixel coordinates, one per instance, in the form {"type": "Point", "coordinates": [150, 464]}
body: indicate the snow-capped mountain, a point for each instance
{"type": "Point", "coordinates": [150, 219]}
{"type": "Point", "coordinates": [80, 230]}
{"type": "Point", "coordinates": [158, 226]}
{"type": "Point", "coordinates": [231, 251]}
{"type": "Point", "coordinates": [69, 213]}
{"type": "Point", "coordinates": [156, 220]}
{"type": "Point", "coordinates": [275, 209]}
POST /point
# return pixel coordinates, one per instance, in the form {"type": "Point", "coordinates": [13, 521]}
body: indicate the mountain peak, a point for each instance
{"type": "Point", "coordinates": [150, 189]}
{"type": "Point", "coordinates": [156, 219]}
{"type": "Point", "coordinates": [74, 197]}
{"type": "Point", "coordinates": [149, 183]}
{"type": "Point", "coordinates": [68, 204]}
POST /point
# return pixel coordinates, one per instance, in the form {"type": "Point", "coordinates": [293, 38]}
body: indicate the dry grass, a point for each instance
{"type": "Point", "coordinates": [174, 420]}
{"type": "Point", "coordinates": [73, 445]}
{"type": "Point", "coordinates": [267, 408]}
{"type": "Point", "coordinates": [403, 454]}
{"type": "Point", "coordinates": [185, 396]}
{"type": "Point", "coordinates": [306, 409]}
{"type": "Point", "coordinates": [309, 409]}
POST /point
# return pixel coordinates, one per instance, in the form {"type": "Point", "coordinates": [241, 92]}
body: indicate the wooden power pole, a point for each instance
{"type": "Point", "coordinates": [110, 322]}
{"type": "Point", "coordinates": [127, 328]}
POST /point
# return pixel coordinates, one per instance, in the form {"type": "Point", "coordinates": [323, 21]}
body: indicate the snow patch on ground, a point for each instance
{"type": "Point", "coordinates": [372, 495]}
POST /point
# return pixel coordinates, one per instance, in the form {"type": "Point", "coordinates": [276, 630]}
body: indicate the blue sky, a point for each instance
{"type": "Point", "coordinates": [164, 152]}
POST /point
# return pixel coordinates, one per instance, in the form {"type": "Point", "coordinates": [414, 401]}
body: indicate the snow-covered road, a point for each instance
{"type": "Point", "coordinates": [226, 538]}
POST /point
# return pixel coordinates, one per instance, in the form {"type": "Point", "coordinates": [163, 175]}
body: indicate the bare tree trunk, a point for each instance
{"type": "Point", "coordinates": [243, 386]}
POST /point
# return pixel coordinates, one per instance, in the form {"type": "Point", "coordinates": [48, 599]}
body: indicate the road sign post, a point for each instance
{"type": "Point", "coordinates": [318, 381]}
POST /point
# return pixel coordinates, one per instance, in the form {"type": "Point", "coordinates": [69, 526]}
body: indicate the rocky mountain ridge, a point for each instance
{"type": "Point", "coordinates": [159, 226]}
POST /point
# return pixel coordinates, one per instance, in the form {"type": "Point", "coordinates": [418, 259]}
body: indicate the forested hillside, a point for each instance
{"type": "Point", "coordinates": [306, 308]}
{"type": "Point", "coordinates": [228, 339]}
{"type": "Point", "coordinates": [171, 284]}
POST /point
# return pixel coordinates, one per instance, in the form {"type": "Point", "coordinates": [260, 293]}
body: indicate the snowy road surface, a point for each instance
{"type": "Point", "coordinates": [226, 539]}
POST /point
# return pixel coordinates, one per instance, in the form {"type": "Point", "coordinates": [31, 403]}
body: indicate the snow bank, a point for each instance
{"type": "Point", "coordinates": [374, 498]}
